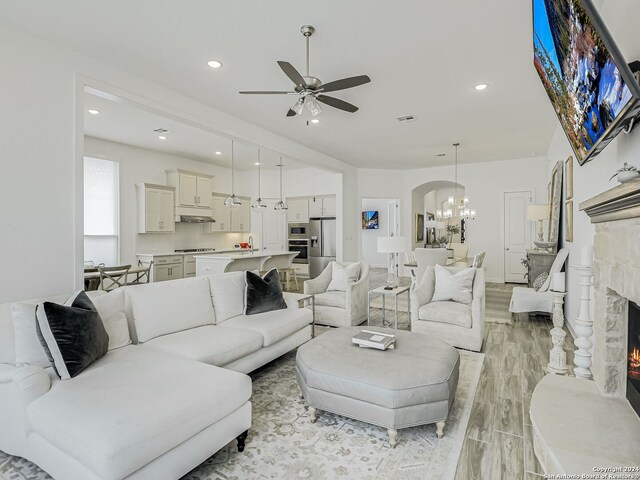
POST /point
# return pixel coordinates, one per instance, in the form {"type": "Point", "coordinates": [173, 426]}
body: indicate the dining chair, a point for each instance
{"type": "Point", "coordinates": [115, 276]}
{"type": "Point", "coordinates": [460, 250]}
{"type": "Point", "coordinates": [92, 280]}
{"type": "Point", "coordinates": [142, 276]}
{"type": "Point", "coordinates": [478, 259]}
{"type": "Point", "coordinates": [429, 257]}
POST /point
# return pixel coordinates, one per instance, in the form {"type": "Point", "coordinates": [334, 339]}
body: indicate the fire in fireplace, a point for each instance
{"type": "Point", "coordinates": [633, 358]}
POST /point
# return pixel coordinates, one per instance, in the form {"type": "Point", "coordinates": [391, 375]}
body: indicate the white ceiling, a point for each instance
{"type": "Point", "coordinates": [423, 56]}
{"type": "Point", "coordinates": [121, 122]}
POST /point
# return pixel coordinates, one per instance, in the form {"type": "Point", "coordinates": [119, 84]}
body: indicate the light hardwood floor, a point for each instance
{"type": "Point", "coordinates": [498, 443]}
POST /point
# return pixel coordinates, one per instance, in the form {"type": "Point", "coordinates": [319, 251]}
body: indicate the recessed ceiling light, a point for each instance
{"type": "Point", "coordinates": [481, 86]}
{"type": "Point", "coordinates": [257, 163]}
{"type": "Point", "coordinates": [214, 63]}
{"type": "Point", "coordinates": [162, 137]}
{"type": "Point", "coordinates": [218, 153]}
{"type": "Point", "coordinates": [94, 111]}
{"type": "Point", "coordinates": [315, 120]}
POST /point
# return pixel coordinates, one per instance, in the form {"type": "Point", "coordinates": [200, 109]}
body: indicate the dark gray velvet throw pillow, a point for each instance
{"type": "Point", "coordinates": [72, 335]}
{"type": "Point", "coordinates": [263, 294]}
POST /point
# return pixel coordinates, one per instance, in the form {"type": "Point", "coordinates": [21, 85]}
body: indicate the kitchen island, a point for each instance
{"type": "Point", "coordinates": [234, 262]}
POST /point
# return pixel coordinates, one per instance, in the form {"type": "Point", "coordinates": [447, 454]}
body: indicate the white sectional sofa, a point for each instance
{"type": "Point", "coordinates": [160, 406]}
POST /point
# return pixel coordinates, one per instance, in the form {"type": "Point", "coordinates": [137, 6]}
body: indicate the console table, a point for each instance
{"type": "Point", "coordinates": [540, 261]}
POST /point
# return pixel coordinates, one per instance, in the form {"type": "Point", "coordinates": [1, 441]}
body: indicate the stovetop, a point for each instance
{"type": "Point", "coordinates": [194, 250]}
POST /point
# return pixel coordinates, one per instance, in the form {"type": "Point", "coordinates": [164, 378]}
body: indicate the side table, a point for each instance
{"type": "Point", "coordinates": [380, 291]}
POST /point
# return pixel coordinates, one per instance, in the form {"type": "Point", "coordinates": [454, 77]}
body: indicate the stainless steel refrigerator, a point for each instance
{"type": "Point", "coordinates": [322, 244]}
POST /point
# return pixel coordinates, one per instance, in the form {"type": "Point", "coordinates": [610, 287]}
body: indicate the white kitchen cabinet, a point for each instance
{"type": "Point", "coordinates": [227, 220]}
{"type": "Point", "coordinates": [329, 206]}
{"type": "Point", "coordinates": [165, 267]}
{"type": "Point", "coordinates": [322, 206]}
{"type": "Point", "coordinates": [298, 210]}
{"type": "Point", "coordinates": [315, 207]}
{"type": "Point", "coordinates": [241, 216]}
{"type": "Point", "coordinates": [192, 189]}
{"type": "Point", "coordinates": [167, 272]}
{"type": "Point", "coordinates": [221, 215]}
{"type": "Point", "coordinates": [155, 208]}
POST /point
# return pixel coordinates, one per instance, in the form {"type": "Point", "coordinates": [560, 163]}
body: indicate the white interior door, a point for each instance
{"type": "Point", "coordinates": [517, 235]}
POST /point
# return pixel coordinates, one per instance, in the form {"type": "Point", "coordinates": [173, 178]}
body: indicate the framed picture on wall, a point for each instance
{"type": "Point", "coordinates": [568, 178]}
{"type": "Point", "coordinates": [568, 220]}
{"type": "Point", "coordinates": [419, 227]}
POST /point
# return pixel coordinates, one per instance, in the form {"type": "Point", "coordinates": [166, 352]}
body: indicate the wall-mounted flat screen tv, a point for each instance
{"type": "Point", "coordinates": [591, 87]}
{"type": "Point", "coordinates": [370, 220]}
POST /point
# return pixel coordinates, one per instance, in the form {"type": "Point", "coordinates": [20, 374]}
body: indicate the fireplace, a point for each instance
{"type": "Point", "coordinates": [633, 358]}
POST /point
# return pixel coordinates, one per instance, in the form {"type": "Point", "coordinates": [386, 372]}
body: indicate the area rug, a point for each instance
{"type": "Point", "coordinates": [497, 299]}
{"type": "Point", "coordinates": [283, 444]}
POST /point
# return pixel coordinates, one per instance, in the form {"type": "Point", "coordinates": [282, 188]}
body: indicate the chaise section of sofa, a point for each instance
{"type": "Point", "coordinates": [156, 408]}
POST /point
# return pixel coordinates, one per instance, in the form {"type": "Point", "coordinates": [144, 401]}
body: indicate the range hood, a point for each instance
{"type": "Point", "coordinates": [194, 215]}
{"type": "Point", "coordinates": [196, 219]}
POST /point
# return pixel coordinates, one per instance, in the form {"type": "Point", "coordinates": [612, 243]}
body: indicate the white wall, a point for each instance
{"type": "Point", "coordinates": [485, 184]}
{"type": "Point", "coordinates": [41, 150]}
{"type": "Point", "coordinates": [593, 178]}
{"type": "Point", "coordinates": [370, 237]}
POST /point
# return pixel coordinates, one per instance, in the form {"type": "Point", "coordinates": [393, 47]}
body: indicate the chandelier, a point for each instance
{"type": "Point", "coordinates": [457, 206]}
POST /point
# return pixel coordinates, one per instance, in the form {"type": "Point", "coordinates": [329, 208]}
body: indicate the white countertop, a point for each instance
{"type": "Point", "coordinates": [164, 254]}
{"type": "Point", "coordinates": [236, 256]}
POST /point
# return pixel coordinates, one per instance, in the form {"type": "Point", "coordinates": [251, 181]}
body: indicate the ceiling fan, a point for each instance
{"type": "Point", "coordinates": [311, 90]}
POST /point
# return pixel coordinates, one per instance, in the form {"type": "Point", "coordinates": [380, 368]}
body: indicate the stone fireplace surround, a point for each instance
{"type": "Point", "coordinates": [616, 248]}
{"type": "Point", "coordinates": [578, 424]}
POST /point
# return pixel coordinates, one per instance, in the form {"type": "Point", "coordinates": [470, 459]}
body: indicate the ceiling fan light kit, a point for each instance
{"type": "Point", "coordinates": [310, 89]}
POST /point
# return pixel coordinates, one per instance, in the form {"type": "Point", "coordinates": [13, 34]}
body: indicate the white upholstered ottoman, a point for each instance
{"type": "Point", "coordinates": [413, 384]}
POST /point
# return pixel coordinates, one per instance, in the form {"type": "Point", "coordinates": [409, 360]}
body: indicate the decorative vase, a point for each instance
{"type": "Point", "coordinates": [624, 177]}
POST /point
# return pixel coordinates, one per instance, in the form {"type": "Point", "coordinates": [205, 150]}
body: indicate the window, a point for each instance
{"type": "Point", "coordinates": [101, 207]}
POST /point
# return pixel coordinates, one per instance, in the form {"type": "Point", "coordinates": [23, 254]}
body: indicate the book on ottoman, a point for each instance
{"type": "Point", "coordinates": [369, 339]}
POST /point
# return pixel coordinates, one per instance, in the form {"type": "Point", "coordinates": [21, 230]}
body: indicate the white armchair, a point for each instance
{"type": "Point", "coordinates": [337, 308]}
{"type": "Point", "coordinates": [457, 324]}
{"type": "Point", "coordinates": [528, 300]}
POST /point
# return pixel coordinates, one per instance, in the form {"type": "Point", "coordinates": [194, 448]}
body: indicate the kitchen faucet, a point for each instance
{"type": "Point", "coordinates": [251, 244]}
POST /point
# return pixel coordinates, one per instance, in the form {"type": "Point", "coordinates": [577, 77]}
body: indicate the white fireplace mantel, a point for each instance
{"type": "Point", "coordinates": [619, 203]}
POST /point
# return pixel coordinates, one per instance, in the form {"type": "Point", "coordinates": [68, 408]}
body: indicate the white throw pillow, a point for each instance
{"type": "Point", "coordinates": [111, 310]}
{"type": "Point", "coordinates": [168, 307]}
{"type": "Point", "coordinates": [227, 295]}
{"type": "Point", "coordinates": [454, 287]}
{"type": "Point", "coordinates": [29, 351]}
{"type": "Point", "coordinates": [343, 275]}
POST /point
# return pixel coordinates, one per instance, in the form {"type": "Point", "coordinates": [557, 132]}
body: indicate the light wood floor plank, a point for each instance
{"type": "Point", "coordinates": [507, 462]}
{"type": "Point", "coordinates": [481, 422]}
{"type": "Point", "coordinates": [509, 417]}
{"type": "Point", "coordinates": [475, 461]}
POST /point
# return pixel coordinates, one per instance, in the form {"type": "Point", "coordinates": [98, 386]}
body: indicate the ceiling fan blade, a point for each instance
{"type": "Point", "coordinates": [345, 83]}
{"type": "Point", "coordinates": [292, 73]}
{"type": "Point", "coordinates": [337, 103]}
{"type": "Point", "coordinates": [266, 92]}
{"type": "Point", "coordinates": [291, 113]}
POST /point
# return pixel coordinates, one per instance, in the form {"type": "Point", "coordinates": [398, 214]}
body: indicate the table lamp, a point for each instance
{"type": "Point", "coordinates": [538, 213]}
{"type": "Point", "coordinates": [392, 245]}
